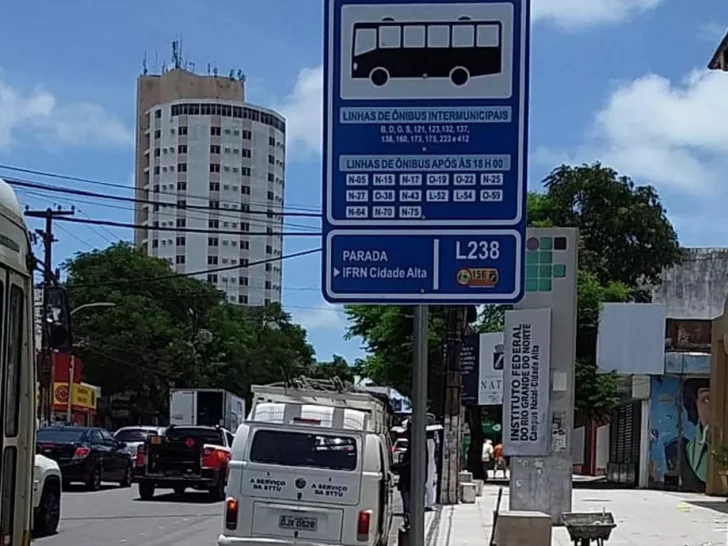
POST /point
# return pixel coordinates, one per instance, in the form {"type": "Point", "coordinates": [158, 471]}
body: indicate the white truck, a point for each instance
{"type": "Point", "coordinates": [206, 407]}
{"type": "Point", "coordinates": [46, 496]}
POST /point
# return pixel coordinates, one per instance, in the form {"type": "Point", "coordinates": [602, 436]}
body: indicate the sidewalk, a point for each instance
{"type": "Point", "coordinates": [644, 518]}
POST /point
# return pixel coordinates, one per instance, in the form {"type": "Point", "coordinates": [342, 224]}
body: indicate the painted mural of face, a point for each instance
{"type": "Point", "coordinates": [702, 404]}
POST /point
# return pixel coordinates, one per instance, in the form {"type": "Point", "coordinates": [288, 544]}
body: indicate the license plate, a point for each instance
{"type": "Point", "coordinates": [156, 440]}
{"type": "Point", "coordinates": [297, 523]}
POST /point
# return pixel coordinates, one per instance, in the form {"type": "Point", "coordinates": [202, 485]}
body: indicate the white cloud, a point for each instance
{"type": "Point", "coordinates": [39, 114]}
{"type": "Point", "coordinates": [303, 110]}
{"type": "Point", "coordinates": [669, 134]}
{"type": "Point", "coordinates": [325, 317]}
{"type": "Point", "coordinates": [585, 13]}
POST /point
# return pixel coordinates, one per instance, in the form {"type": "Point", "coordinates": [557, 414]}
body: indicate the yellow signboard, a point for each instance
{"type": "Point", "coordinates": [84, 396]}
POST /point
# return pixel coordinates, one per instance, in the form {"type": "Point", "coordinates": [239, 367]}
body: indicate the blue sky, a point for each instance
{"type": "Point", "coordinates": [622, 81]}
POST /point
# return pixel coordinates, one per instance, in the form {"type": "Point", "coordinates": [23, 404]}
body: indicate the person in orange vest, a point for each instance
{"type": "Point", "coordinates": [500, 461]}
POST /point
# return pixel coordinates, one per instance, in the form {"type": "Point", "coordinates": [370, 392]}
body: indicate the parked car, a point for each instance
{"type": "Point", "coordinates": [46, 496]}
{"type": "Point", "coordinates": [88, 455]}
{"type": "Point", "coordinates": [135, 436]}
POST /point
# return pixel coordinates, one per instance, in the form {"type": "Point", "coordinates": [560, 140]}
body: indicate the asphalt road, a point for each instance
{"type": "Point", "coordinates": [117, 516]}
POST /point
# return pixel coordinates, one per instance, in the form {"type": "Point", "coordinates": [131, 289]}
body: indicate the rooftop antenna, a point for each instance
{"type": "Point", "coordinates": [214, 72]}
{"type": "Point", "coordinates": [144, 65]}
{"type": "Point", "coordinates": [191, 66]}
{"type": "Point", "coordinates": [232, 74]}
{"type": "Point", "coordinates": [175, 53]}
{"type": "Point", "coordinates": [209, 68]}
{"type": "Point", "coordinates": [156, 62]}
{"type": "Point", "coordinates": [181, 56]}
{"type": "Point", "coordinates": [240, 75]}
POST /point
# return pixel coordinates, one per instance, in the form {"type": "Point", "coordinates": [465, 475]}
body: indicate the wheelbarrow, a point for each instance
{"type": "Point", "coordinates": [587, 528]}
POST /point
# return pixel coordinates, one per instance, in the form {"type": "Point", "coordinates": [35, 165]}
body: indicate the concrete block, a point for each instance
{"type": "Point", "coordinates": [465, 477]}
{"type": "Point", "coordinates": [478, 488]}
{"type": "Point", "coordinates": [467, 493]}
{"type": "Point", "coordinates": [523, 529]}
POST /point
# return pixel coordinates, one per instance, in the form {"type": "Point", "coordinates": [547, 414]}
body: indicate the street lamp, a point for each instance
{"type": "Point", "coordinates": [72, 365]}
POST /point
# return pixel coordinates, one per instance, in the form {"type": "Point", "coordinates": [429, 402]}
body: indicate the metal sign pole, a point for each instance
{"type": "Point", "coordinates": [418, 441]}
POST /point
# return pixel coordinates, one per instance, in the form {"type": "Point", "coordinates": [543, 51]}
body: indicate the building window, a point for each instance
{"type": "Point", "coordinates": [182, 167]}
{"type": "Point", "coordinates": [245, 190]}
{"type": "Point", "coordinates": [182, 131]}
{"type": "Point", "coordinates": [182, 149]}
{"type": "Point", "coordinates": [181, 242]}
{"type": "Point", "coordinates": [213, 224]}
{"type": "Point", "coordinates": [181, 203]}
{"type": "Point", "coordinates": [156, 188]}
{"type": "Point", "coordinates": [271, 196]}
{"type": "Point", "coordinates": [242, 299]}
{"type": "Point", "coordinates": [215, 131]}
{"type": "Point", "coordinates": [244, 226]}
{"type": "Point", "coordinates": [156, 207]}
{"type": "Point", "coordinates": [181, 186]}
{"type": "Point", "coordinates": [247, 153]}
{"type": "Point", "coordinates": [155, 243]}
{"type": "Point", "coordinates": [157, 152]}
{"type": "Point", "coordinates": [266, 302]}
{"type": "Point", "coordinates": [181, 222]}
{"type": "Point", "coordinates": [214, 149]}
{"type": "Point", "coordinates": [156, 169]}
{"type": "Point", "coordinates": [213, 241]}
{"type": "Point", "coordinates": [180, 259]}
{"type": "Point", "coordinates": [271, 177]}
{"type": "Point", "coordinates": [268, 267]}
{"type": "Point", "coordinates": [271, 160]}
{"type": "Point", "coordinates": [243, 261]}
{"type": "Point", "coordinates": [211, 278]}
{"type": "Point", "coordinates": [157, 134]}
{"type": "Point", "coordinates": [268, 249]}
{"type": "Point", "coordinates": [247, 135]}
{"type": "Point", "coordinates": [245, 171]}
{"type": "Point", "coordinates": [214, 186]}
{"type": "Point", "coordinates": [212, 260]}
{"type": "Point", "coordinates": [243, 281]}
{"type": "Point", "coordinates": [157, 114]}
{"type": "Point", "coordinates": [236, 132]}
{"type": "Point", "coordinates": [214, 167]}
{"type": "Point", "coordinates": [214, 204]}
{"type": "Point", "coordinates": [268, 285]}
{"type": "Point", "coordinates": [271, 141]}
{"type": "Point", "coordinates": [245, 245]}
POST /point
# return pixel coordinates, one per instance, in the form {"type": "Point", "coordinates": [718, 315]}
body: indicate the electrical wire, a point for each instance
{"type": "Point", "coordinates": [126, 187]}
{"type": "Point", "coordinates": [194, 273]}
{"type": "Point", "coordinates": [112, 223]}
{"type": "Point", "coordinates": [71, 191]}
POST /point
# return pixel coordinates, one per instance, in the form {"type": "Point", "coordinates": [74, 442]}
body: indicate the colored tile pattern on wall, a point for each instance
{"type": "Point", "coordinates": [543, 267]}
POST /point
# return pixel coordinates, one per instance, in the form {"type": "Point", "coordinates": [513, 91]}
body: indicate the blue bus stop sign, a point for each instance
{"type": "Point", "coordinates": [425, 139]}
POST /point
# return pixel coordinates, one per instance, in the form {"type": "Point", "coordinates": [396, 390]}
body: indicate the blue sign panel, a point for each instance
{"type": "Point", "coordinates": [425, 128]}
{"type": "Point", "coordinates": [424, 266]}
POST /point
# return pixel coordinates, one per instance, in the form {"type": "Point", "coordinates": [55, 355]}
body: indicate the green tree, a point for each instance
{"type": "Point", "coordinates": [336, 367]}
{"type": "Point", "coordinates": [173, 331]}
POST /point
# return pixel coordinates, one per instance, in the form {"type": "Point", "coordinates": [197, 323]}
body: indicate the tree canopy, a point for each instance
{"type": "Point", "coordinates": [167, 330]}
{"type": "Point", "coordinates": [626, 240]}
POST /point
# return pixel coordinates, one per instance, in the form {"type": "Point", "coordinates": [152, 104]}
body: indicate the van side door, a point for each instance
{"type": "Point", "coordinates": [385, 491]}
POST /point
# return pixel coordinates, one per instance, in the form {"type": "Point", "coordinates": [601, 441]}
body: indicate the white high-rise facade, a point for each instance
{"type": "Point", "coordinates": [210, 162]}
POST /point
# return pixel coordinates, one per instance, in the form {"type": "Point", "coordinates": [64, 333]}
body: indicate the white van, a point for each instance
{"type": "Point", "coordinates": [310, 468]}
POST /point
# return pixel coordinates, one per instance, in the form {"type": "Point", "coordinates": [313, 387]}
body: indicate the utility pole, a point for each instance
{"type": "Point", "coordinates": [453, 414]}
{"type": "Point", "coordinates": [45, 362]}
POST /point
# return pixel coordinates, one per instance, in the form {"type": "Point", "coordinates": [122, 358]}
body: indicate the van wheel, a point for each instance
{"type": "Point", "coordinates": [48, 513]}
{"type": "Point", "coordinates": [146, 491]}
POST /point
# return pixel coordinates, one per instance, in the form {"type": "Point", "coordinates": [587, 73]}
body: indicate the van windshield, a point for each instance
{"type": "Point", "coordinates": [303, 449]}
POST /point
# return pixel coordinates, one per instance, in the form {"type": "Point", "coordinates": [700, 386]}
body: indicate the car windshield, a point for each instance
{"type": "Point", "coordinates": [132, 435]}
{"type": "Point", "coordinates": [202, 435]}
{"type": "Point", "coordinates": [60, 435]}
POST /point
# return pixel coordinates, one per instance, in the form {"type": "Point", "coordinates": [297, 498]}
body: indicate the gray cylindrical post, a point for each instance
{"type": "Point", "coordinates": [418, 441]}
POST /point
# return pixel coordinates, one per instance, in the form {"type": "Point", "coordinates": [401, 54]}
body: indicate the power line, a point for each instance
{"type": "Point", "coordinates": [200, 272]}
{"type": "Point", "coordinates": [70, 191]}
{"type": "Point", "coordinates": [112, 223]}
{"type": "Point", "coordinates": [198, 215]}
{"type": "Point", "coordinates": [126, 187]}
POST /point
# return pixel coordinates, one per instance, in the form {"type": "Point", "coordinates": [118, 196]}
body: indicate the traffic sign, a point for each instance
{"type": "Point", "coordinates": [425, 117]}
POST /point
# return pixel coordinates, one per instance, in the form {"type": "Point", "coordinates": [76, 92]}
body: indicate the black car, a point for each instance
{"type": "Point", "coordinates": [86, 454]}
